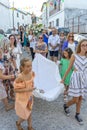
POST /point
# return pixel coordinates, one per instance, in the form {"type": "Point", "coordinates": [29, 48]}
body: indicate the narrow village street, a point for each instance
{"type": "Point", "coordinates": [43, 53]}
{"type": "Point", "coordinates": [46, 116]}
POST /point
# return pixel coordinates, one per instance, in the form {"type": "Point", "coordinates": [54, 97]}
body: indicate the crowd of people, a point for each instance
{"type": "Point", "coordinates": [17, 78]}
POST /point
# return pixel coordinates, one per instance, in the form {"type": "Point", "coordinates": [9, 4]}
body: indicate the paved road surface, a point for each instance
{"type": "Point", "coordinates": [46, 116]}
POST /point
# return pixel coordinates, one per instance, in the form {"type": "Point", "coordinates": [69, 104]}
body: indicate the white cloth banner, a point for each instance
{"type": "Point", "coordinates": [47, 78]}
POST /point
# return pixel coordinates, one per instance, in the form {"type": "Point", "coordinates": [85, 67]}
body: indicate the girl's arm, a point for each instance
{"type": "Point", "coordinates": [23, 90]}
{"type": "Point", "coordinates": [70, 67]}
{"type": "Point", "coordinates": [30, 39]}
{"type": "Point", "coordinates": [44, 51]}
{"type": "Point", "coordinates": [36, 51]}
{"type": "Point", "coordinates": [4, 77]}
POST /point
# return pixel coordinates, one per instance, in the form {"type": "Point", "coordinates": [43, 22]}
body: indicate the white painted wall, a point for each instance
{"type": "Point", "coordinates": [45, 15]}
{"type": "Point", "coordinates": [80, 4]}
{"type": "Point", "coordinates": [6, 2]}
{"type": "Point", "coordinates": [28, 19]}
{"type": "Point", "coordinates": [60, 16]}
{"type": "Point", "coordinates": [4, 16]}
{"type": "Point", "coordinates": [20, 20]}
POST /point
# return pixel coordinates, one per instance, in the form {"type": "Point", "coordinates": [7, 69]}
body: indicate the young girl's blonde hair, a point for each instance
{"type": "Point", "coordinates": [79, 45]}
{"type": "Point", "coordinates": [22, 63]}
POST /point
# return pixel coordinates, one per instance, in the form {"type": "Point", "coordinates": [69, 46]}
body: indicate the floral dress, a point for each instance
{"type": "Point", "coordinates": [2, 89]}
{"type": "Point", "coordinates": [8, 70]}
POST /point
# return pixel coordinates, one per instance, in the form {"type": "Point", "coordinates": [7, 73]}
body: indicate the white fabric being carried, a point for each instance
{"type": "Point", "coordinates": [47, 78]}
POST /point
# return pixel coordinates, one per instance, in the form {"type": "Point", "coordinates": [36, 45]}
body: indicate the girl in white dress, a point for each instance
{"type": "Point", "coordinates": [15, 52]}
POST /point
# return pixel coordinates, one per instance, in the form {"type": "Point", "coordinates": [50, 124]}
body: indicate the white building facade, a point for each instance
{"type": "Point", "coordinates": [10, 17]}
{"type": "Point", "coordinates": [4, 15]}
{"type": "Point", "coordinates": [18, 18]}
{"type": "Point", "coordinates": [45, 14]}
{"type": "Point", "coordinates": [66, 13]}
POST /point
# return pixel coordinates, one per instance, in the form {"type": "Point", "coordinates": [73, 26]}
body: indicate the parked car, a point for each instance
{"type": "Point", "coordinates": [64, 30]}
{"type": "Point", "coordinates": [2, 31]}
{"type": "Point", "coordinates": [78, 37]}
{"type": "Point", "coordinates": [8, 32]}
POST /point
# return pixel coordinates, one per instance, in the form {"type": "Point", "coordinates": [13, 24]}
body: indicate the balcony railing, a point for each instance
{"type": "Point", "coordinates": [52, 12]}
{"type": "Point", "coordinates": [77, 24]}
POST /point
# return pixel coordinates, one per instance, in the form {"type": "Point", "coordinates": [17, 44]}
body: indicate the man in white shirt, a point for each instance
{"type": "Point", "coordinates": [53, 43]}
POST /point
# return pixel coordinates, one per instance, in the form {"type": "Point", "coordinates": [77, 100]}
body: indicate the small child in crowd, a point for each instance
{"type": "Point", "coordinates": [64, 62]}
{"type": "Point", "coordinates": [23, 87]}
{"type": "Point", "coordinates": [3, 94]}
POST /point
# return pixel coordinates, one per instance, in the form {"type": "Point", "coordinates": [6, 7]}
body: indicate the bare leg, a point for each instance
{"type": "Point", "coordinates": [66, 90]}
{"type": "Point", "coordinates": [30, 123]}
{"type": "Point", "coordinates": [72, 101]}
{"type": "Point", "coordinates": [51, 58]}
{"type": "Point", "coordinates": [55, 59]}
{"type": "Point", "coordinates": [20, 120]}
{"type": "Point", "coordinates": [7, 106]}
{"type": "Point", "coordinates": [18, 123]}
{"type": "Point", "coordinates": [5, 101]}
{"type": "Point", "coordinates": [78, 105]}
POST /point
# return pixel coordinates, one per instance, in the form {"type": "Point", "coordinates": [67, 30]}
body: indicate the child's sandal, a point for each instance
{"type": "Point", "coordinates": [19, 126]}
{"type": "Point", "coordinates": [30, 128]}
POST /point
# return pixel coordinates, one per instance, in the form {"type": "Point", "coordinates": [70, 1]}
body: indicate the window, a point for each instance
{"type": "Point", "coordinates": [52, 23]}
{"type": "Point", "coordinates": [57, 22]}
{"type": "Point", "coordinates": [22, 16]}
{"type": "Point", "coordinates": [49, 24]}
{"type": "Point", "coordinates": [18, 24]}
{"type": "Point", "coordinates": [17, 14]}
{"type": "Point", "coordinates": [55, 5]}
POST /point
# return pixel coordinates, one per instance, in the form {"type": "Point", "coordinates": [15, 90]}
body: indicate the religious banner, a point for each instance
{"type": "Point", "coordinates": [47, 79]}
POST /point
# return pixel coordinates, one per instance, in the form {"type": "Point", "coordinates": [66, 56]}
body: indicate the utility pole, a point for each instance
{"type": "Point", "coordinates": [46, 16]}
{"type": "Point", "coordinates": [13, 14]}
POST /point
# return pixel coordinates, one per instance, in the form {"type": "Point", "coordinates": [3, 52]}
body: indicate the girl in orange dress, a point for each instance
{"type": "Point", "coordinates": [23, 87]}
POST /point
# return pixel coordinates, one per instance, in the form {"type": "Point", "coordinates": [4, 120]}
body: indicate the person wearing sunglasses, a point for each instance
{"type": "Point", "coordinates": [41, 47]}
{"type": "Point", "coordinates": [53, 45]}
{"type": "Point", "coordinates": [70, 43]}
